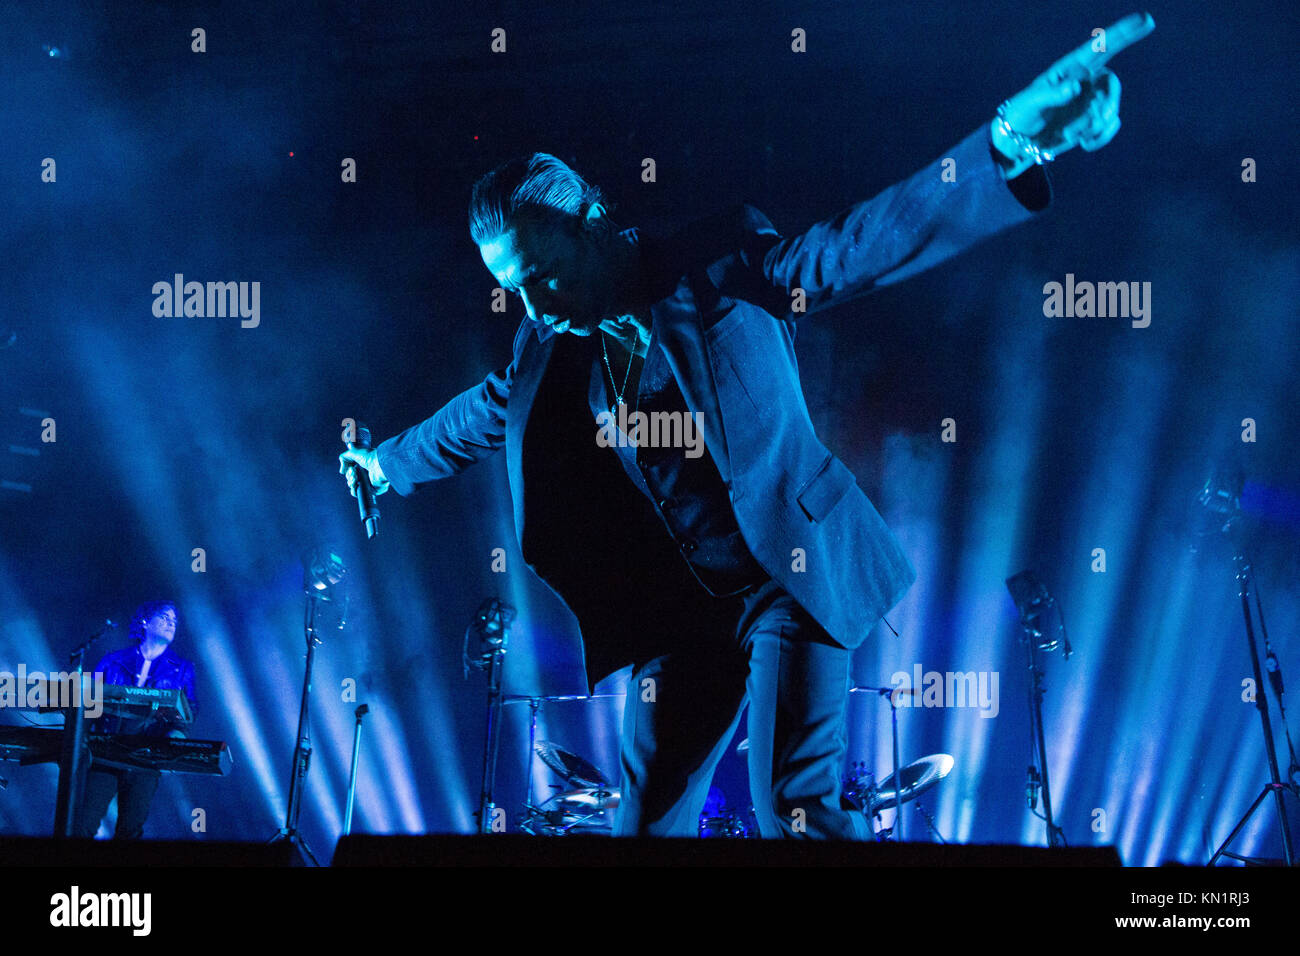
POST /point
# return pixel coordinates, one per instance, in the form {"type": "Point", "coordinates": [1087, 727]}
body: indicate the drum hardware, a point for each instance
{"type": "Point", "coordinates": [854, 781]}
{"type": "Point", "coordinates": [929, 821]}
{"type": "Point", "coordinates": [892, 694]}
{"type": "Point", "coordinates": [571, 767]}
{"type": "Point", "coordinates": [873, 798]}
{"type": "Point", "coordinates": [587, 808]}
{"type": "Point", "coordinates": [729, 825]}
{"type": "Point", "coordinates": [719, 820]}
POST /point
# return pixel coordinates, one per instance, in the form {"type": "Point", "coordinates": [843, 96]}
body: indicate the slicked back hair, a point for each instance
{"type": "Point", "coordinates": [540, 189]}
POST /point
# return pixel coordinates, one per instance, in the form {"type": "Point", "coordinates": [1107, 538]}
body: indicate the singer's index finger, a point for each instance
{"type": "Point", "coordinates": [1119, 36]}
{"type": "Point", "coordinates": [1086, 62]}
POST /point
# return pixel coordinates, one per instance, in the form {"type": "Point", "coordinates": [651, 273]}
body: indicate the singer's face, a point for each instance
{"type": "Point", "coordinates": [556, 271]}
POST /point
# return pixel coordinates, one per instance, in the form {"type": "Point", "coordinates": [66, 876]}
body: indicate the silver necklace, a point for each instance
{"type": "Point", "coordinates": [618, 392]}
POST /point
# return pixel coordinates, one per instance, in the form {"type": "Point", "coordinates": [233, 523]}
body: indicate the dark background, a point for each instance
{"type": "Point", "coordinates": [1073, 434]}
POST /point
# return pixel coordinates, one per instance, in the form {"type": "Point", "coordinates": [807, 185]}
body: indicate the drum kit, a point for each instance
{"type": "Point", "coordinates": [872, 798]}
{"type": "Point", "coordinates": [586, 800]}
{"type": "Point", "coordinates": [586, 808]}
{"type": "Point", "coordinates": [719, 820]}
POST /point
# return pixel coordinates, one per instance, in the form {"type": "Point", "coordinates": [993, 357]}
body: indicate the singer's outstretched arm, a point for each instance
{"type": "Point", "coordinates": [467, 429]}
{"type": "Point", "coordinates": [984, 184]}
{"type": "Point", "coordinates": [950, 205]}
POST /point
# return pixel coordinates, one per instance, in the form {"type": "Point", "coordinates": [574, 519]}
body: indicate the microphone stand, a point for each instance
{"type": "Point", "coordinates": [492, 622]}
{"type": "Point", "coordinates": [492, 738]}
{"type": "Point", "coordinates": [1033, 601]}
{"type": "Point", "coordinates": [1055, 836]}
{"type": "Point", "coordinates": [896, 832]}
{"type": "Point", "coordinates": [302, 744]}
{"type": "Point", "coordinates": [1275, 785]}
{"type": "Point", "coordinates": [898, 765]}
{"type": "Point", "coordinates": [352, 776]}
{"type": "Point", "coordinates": [534, 704]}
{"type": "Point", "coordinates": [72, 761]}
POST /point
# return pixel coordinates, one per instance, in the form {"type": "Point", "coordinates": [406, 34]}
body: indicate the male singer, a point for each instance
{"type": "Point", "coordinates": [753, 571]}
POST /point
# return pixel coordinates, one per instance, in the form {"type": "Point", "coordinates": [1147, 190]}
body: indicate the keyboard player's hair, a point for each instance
{"type": "Point", "coordinates": [147, 610]}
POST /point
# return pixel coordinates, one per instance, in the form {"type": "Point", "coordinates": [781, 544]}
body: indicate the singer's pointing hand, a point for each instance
{"type": "Point", "coordinates": [365, 458]}
{"type": "Point", "coordinates": [1075, 102]}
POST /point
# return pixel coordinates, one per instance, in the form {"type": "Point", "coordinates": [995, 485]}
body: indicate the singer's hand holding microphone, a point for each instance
{"type": "Point", "coordinates": [360, 465]}
{"type": "Point", "coordinates": [362, 458]}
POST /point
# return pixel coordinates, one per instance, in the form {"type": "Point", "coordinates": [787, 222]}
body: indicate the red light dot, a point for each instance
{"type": "Point", "coordinates": [291, 152]}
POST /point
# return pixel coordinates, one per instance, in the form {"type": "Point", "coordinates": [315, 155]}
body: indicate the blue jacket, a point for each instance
{"type": "Point", "coordinates": [726, 323]}
{"type": "Point", "coordinates": [168, 670]}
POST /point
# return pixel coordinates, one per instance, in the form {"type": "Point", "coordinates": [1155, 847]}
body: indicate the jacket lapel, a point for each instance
{"type": "Point", "coordinates": [679, 333]}
{"type": "Point", "coordinates": [530, 366]}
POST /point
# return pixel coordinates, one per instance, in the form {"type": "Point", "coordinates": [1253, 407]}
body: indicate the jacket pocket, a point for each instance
{"type": "Point", "coordinates": [823, 491]}
{"type": "Point", "coordinates": [719, 323]}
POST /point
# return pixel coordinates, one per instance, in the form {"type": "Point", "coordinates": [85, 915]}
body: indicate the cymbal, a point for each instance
{"type": "Point", "coordinates": [571, 767]}
{"type": "Point", "coordinates": [918, 777]}
{"type": "Point", "coordinates": [586, 800]}
{"type": "Point", "coordinates": [525, 698]}
{"type": "Point", "coordinates": [886, 691]}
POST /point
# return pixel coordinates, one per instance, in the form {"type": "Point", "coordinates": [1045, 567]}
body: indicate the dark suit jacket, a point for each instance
{"type": "Point", "coordinates": [726, 327]}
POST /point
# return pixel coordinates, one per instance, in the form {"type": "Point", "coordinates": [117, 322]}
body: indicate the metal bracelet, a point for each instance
{"type": "Point", "coordinates": [1023, 142]}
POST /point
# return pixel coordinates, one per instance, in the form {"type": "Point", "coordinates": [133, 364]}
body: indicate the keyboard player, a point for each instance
{"type": "Point", "coordinates": [150, 662]}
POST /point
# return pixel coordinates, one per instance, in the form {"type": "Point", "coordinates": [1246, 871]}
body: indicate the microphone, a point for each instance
{"type": "Point", "coordinates": [365, 492]}
{"type": "Point", "coordinates": [85, 645]}
{"type": "Point", "coordinates": [1033, 783]}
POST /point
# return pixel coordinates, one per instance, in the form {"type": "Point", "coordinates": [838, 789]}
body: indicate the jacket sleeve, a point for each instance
{"type": "Point", "coordinates": [910, 227]}
{"type": "Point", "coordinates": [187, 685]}
{"type": "Point", "coordinates": [468, 429]}
{"type": "Point", "coordinates": [110, 665]}
{"type": "Point", "coordinates": [185, 681]}
{"type": "Point", "coordinates": [112, 673]}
